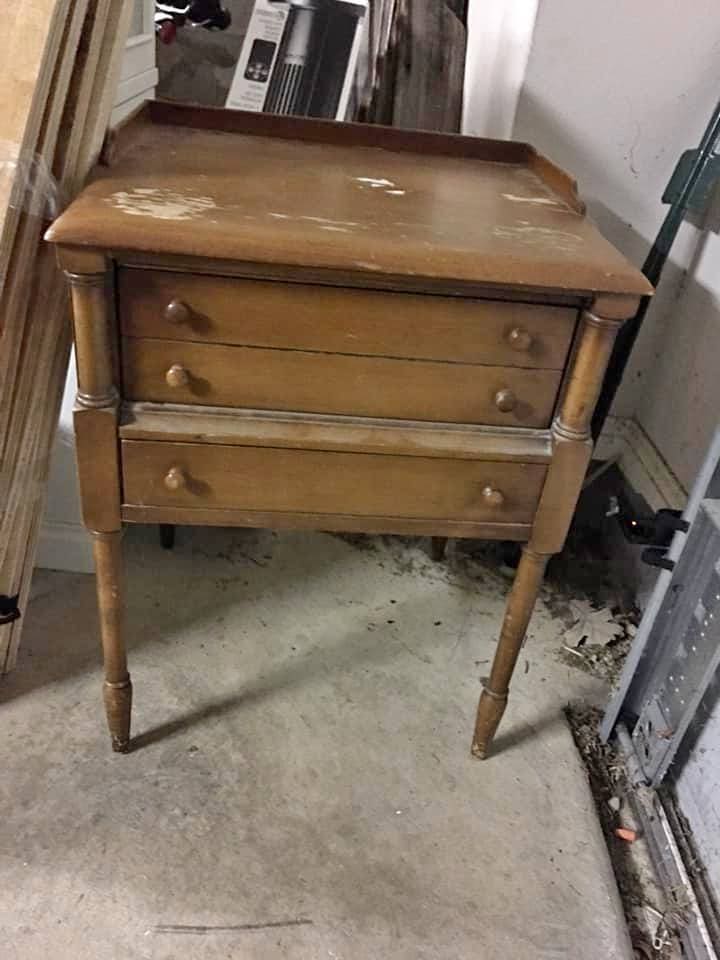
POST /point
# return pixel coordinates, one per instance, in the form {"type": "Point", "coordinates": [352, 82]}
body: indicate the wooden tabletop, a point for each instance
{"type": "Point", "coordinates": [246, 187]}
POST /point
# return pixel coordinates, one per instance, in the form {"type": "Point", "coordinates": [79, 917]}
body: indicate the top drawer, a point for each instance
{"type": "Point", "coordinates": [178, 306]}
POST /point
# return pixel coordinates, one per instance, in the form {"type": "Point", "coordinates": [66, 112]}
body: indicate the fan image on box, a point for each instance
{"type": "Point", "coordinates": [299, 57]}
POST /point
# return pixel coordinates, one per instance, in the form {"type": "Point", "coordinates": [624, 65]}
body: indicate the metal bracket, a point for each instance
{"type": "Point", "coordinates": [702, 191]}
{"type": "Point", "coordinates": [657, 557]}
{"type": "Point", "coordinates": [654, 529]}
{"type": "Point", "coordinates": [660, 622]}
{"type": "Point", "coordinates": [9, 610]}
{"type": "Point", "coordinates": [686, 675]}
{"type": "Point", "coordinates": [678, 884]}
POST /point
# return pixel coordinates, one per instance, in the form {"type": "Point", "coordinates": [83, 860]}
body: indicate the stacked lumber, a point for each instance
{"type": "Point", "coordinates": [61, 59]}
{"type": "Point", "coordinates": [416, 63]}
{"type": "Point", "coordinates": [372, 61]}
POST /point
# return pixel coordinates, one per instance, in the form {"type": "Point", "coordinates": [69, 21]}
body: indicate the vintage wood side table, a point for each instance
{"type": "Point", "coordinates": [292, 323]}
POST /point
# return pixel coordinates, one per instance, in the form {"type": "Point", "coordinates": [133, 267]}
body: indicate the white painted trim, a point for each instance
{"type": "Point", "coordinates": [641, 463]}
{"type": "Point", "coordinates": [499, 37]}
{"type": "Point", "coordinates": [64, 546]}
{"type": "Point", "coordinates": [133, 87]}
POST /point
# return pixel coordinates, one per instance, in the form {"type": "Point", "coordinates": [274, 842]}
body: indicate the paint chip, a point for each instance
{"type": "Point", "coordinates": [541, 200]}
{"type": "Point", "coordinates": [160, 204]}
{"type": "Point", "coordinates": [559, 240]}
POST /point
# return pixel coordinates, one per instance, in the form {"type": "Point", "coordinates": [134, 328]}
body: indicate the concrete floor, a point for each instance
{"type": "Point", "coordinates": [303, 711]}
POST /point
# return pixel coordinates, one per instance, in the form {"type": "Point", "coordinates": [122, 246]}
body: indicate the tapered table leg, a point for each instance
{"type": "Point", "coordinates": [167, 535]}
{"type": "Point", "coordinates": [519, 609]}
{"type": "Point", "coordinates": [117, 689]}
{"type": "Point", "coordinates": [438, 546]}
{"type": "Point", "coordinates": [571, 451]}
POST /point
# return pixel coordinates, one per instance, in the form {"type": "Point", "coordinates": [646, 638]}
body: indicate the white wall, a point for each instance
{"type": "Point", "coordinates": [64, 543]}
{"type": "Point", "coordinates": [499, 36]}
{"type": "Point", "coordinates": [613, 92]}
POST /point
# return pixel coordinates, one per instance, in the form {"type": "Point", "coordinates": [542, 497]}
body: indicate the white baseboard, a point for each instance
{"type": "Point", "coordinates": [64, 546]}
{"type": "Point", "coordinates": [641, 463]}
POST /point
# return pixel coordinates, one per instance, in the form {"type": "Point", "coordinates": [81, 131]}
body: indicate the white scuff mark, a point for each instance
{"type": "Point", "coordinates": [334, 223]}
{"type": "Point", "coordinates": [395, 193]}
{"type": "Point", "coordinates": [364, 265]}
{"type": "Point", "coordinates": [323, 221]}
{"type": "Point", "coordinates": [375, 182]}
{"type": "Point", "coordinates": [160, 204]}
{"type": "Point", "coordinates": [333, 229]}
{"type": "Point", "coordinates": [560, 240]}
{"type": "Point", "coordinates": [546, 200]}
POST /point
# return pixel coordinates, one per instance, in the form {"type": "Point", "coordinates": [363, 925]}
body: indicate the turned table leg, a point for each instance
{"type": "Point", "coordinates": [117, 689]}
{"type": "Point", "coordinates": [571, 449]}
{"type": "Point", "coordinates": [96, 418]}
{"type": "Point", "coordinates": [517, 616]}
{"type": "Point", "coordinates": [167, 535]}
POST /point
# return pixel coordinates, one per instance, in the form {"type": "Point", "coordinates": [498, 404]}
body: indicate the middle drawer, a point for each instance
{"type": "Point", "coordinates": [166, 371]}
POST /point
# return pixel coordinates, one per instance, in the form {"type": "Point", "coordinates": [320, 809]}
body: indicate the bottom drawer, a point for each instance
{"type": "Point", "coordinates": [192, 475]}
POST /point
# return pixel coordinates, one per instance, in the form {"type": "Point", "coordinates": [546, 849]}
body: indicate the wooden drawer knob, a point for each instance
{"type": "Point", "coordinates": [177, 311]}
{"type": "Point", "coordinates": [492, 497]}
{"type": "Point", "coordinates": [520, 339]}
{"type": "Point", "coordinates": [175, 479]}
{"type": "Point", "coordinates": [177, 376]}
{"type": "Point", "coordinates": [505, 400]}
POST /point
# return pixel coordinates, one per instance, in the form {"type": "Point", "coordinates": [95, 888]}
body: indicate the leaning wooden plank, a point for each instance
{"type": "Point", "coordinates": [73, 93]}
{"type": "Point", "coordinates": [89, 103]}
{"type": "Point", "coordinates": [26, 531]}
{"type": "Point", "coordinates": [31, 221]}
{"type": "Point", "coordinates": [28, 521]}
{"type": "Point", "coordinates": [84, 155]}
{"type": "Point", "coordinates": [37, 396]}
{"type": "Point", "coordinates": [427, 93]}
{"type": "Point", "coordinates": [36, 336]}
{"type": "Point", "coordinates": [90, 75]}
{"type": "Point", "coordinates": [19, 448]}
{"type": "Point", "coordinates": [84, 83]}
{"type": "Point", "coordinates": [60, 93]}
{"type": "Point", "coordinates": [31, 41]}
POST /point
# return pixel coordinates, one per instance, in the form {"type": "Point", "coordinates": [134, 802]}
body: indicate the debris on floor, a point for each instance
{"type": "Point", "coordinates": [594, 639]}
{"type": "Point", "coordinates": [653, 923]}
{"type": "Point", "coordinates": [626, 834]}
{"type": "Point", "coordinates": [587, 591]}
